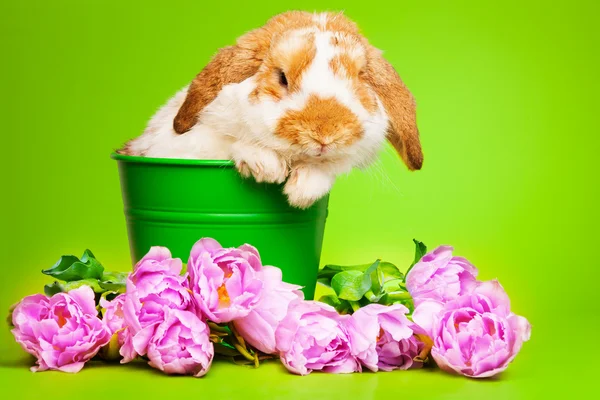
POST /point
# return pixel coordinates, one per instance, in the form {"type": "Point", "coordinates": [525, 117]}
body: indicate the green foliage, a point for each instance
{"type": "Point", "coordinates": [358, 285]}
{"type": "Point", "coordinates": [420, 251]}
{"type": "Point", "coordinates": [52, 288]}
{"type": "Point", "coordinates": [351, 285]}
{"type": "Point", "coordinates": [72, 272]}
{"type": "Point", "coordinates": [70, 268]}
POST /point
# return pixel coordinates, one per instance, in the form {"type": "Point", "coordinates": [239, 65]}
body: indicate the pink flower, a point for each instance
{"type": "Point", "coordinates": [150, 273]}
{"type": "Point", "coordinates": [384, 339]}
{"type": "Point", "coordinates": [440, 276]}
{"type": "Point", "coordinates": [154, 287]}
{"type": "Point", "coordinates": [181, 345]}
{"type": "Point", "coordinates": [225, 282]}
{"type": "Point", "coordinates": [63, 332]}
{"type": "Point", "coordinates": [475, 335]}
{"type": "Point", "coordinates": [259, 326]}
{"type": "Point", "coordinates": [113, 316]}
{"type": "Point", "coordinates": [314, 337]}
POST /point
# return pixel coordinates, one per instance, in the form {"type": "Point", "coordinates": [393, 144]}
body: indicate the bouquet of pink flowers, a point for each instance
{"type": "Point", "coordinates": [228, 304]}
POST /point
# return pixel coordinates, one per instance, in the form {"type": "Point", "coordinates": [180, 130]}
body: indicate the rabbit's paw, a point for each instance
{"type": "Point", "coordinates": [306, 185]}
{"type": "Point", "coordinates": [262, 164]}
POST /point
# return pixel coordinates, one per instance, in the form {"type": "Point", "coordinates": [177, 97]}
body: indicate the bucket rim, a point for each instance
{"type": "Point", "coordinates": [171, 161]}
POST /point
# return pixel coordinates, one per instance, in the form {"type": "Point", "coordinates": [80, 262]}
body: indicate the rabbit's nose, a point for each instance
{"type": "Point", "coordinates": [324, 141]}
{"type": "Point", "coordinates": [322, 150]}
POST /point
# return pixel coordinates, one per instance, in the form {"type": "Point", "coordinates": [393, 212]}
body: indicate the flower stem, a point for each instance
{"type": "Point", "coordinates": [370, 295]}
{"type": "Point", "coordinates": [237, 336]}
{"type": "Point", "coordinates": [398, 296]}
{"type": "Point", "coordinates": [215, 338]}
{"type": "Point", "coordinates": [428, 344]}
{"type": "Point", "coordinates": [243, 352]}
{"type": "Point", "coordinates": [217, 328]}
{"type": "Point", "coordinates": [355, 305]}
{"type": "Point", "coordinates": [240, 344]}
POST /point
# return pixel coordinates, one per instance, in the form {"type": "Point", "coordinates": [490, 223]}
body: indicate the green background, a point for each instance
{"type": "Point", "coordinates": [507, 108]}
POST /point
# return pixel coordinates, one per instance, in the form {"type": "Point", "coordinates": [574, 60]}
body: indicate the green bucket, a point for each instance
{"type": "Point", "coordinates": [174, 203]}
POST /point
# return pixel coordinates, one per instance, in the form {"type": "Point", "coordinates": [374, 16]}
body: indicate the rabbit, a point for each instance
{"type": "Point", "coordinates": [298, 101]}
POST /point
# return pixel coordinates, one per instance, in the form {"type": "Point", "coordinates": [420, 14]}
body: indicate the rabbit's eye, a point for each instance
{"type": "Point", "coordinates": [282, 79]}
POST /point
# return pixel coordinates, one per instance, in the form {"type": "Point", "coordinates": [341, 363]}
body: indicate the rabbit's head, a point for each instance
{"type": "Point", "coordinates": [318, 87]}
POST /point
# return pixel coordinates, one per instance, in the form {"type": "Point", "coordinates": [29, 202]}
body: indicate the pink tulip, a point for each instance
{"type": "Point", "coordinates": [225, 281]}
{"type": "Point", "coordinates": [475, 335]}
{"type": "Point", "coordinates": [181, 345]}
{"type": "Point", "coordinates": [384, 339]}
{"type": "Point", "coordinates": [154, 287]}
{"type": "Point", "coordinates": [114, 318]}
{"type": "Point", "coordinates": [314, 337]}
{"type": "Point", "coordinates": [259, 326]}
{"type": "Point", "coordinates": [440, 276]}
{"type": "Point", "coordinates": [63, 332]}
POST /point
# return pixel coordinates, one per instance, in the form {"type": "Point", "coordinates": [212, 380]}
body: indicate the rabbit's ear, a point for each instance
{"type": "Point", "coordinates": [231, 65]}
{"type": "Point", "coordinates": [235, 64]}
{"type": "Point", "coordinates": [399, 106]}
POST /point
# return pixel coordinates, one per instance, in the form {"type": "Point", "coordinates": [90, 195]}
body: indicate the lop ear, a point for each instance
{"type": "Point", "coordinates": [231, 65]}
{"type": "Point", "coordinates": [399, 105]}
{"type": "Point", "coordinates": [234, 64]}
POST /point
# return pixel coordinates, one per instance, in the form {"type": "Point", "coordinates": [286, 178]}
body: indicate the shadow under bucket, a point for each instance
{"type": "Point", "coordinates": [174, 203]}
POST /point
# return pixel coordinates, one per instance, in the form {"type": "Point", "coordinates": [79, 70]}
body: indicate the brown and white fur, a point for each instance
{"type": "Point", "coordinates": [300, 100]}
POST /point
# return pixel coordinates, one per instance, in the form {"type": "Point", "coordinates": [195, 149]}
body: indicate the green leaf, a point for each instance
{"type": "Point", "coordinates": [420, 251]}
{"type": "Point", "coordinates": [225, 350]}
{"type": "Point", "coordinates": [109, 296]}
{"type": "Point", "coordinates": [51, 289]}
{"type": "Point", "coordinates": [70, 268]}
{"type": "Point", "coordinates": [373, 266]}
{"type": "Point", "coordinates": [331, 299]}
{"type": "Point", "coordinates": [114, 281]}
{"type": "Point", "coordinates": [376, 284]}
{"type": "Point", "coordinates": [93, 283]}
{"type": "Point", "coordinates": [87, 255]}
{"type": "Point", "coordinates": [10, 313]}
{"type": "Point", "coordinates": [114, 276]}
{"type": "Point", "coordinates": [61, 265]}
{"type": "Point", "coordinates": [351, 285]}
{"type": "Point", "coordinates": [399, 297]}
{"type": "Point", "coordinates": [113, 286]}
{"type": "Point", "coordinates": [324, 281]}
{"type": "Point", "coordinates": [376, 276]}
{"type": "Point", "coordinates": [57, 287]}
{"type": "Point", "coordinates": [394, 285]}
{"type": "Point", "coordinates": [371, 297]}
{"type": "Point", "coordinates": [329, 271]}
{"type": "Point", "coordinates": [355, 305]}
{"type": "Point", "coordinates": [341, 306]}
{"type": "Point", "coordinates": [390, 271]}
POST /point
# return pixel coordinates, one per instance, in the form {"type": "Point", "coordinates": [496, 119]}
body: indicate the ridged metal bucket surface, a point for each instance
{"type": "Point", "coordinates": [174, 203]}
